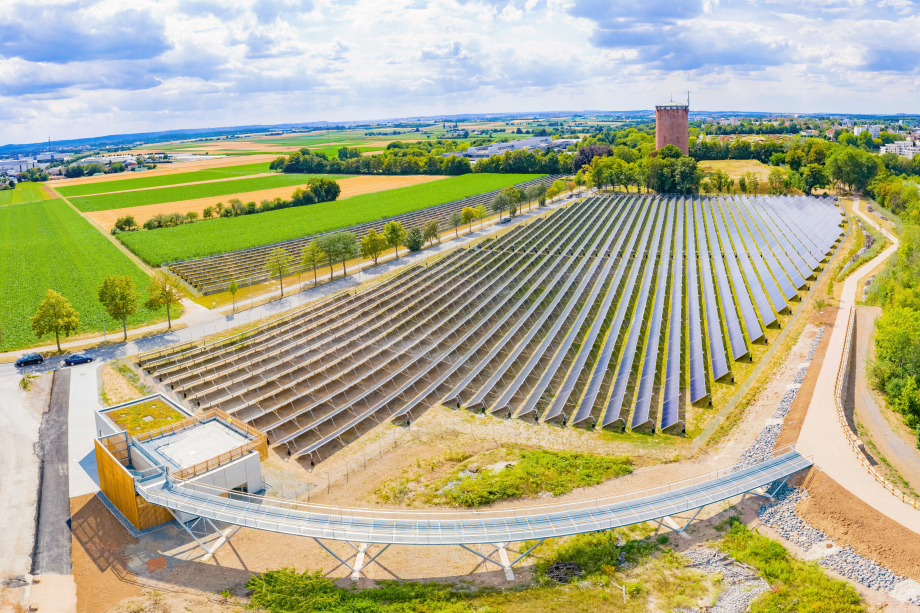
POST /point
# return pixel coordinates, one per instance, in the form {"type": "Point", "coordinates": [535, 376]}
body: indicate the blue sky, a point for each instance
{"type": "Point", "coordinates": [71, 69]}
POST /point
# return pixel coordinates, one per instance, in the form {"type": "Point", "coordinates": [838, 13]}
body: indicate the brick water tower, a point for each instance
{"type": "Point", "coordinates": [671, 127]}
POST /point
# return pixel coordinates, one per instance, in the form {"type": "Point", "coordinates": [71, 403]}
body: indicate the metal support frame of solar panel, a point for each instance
{"type": "Point", "coordinates": [246, 266]}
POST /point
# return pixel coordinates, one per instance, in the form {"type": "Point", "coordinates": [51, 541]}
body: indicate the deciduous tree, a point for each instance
{"type": "Point", "coordinates": [165, 290]}
{"type": "Point", "coordinates": [312, 256]}
{"type": "Point", "coordinates": [456, 220]}
{"type": "Point", "coordinates": [278, 264]}
{"type": "Point", "coordinates": [55, 314]}
{"type": "Point", "coordinates": [372, 245]}
{"type": "Point", "coordinates": [119, 299]}
{"type": "Point", "coordinates": [395, 234]}
{"type": "Point", "coordinates": [432, 232]}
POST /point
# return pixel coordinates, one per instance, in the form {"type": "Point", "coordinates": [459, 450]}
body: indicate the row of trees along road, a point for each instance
{"type": "Point", "coordinates": [118, 296]}
{"type": "Point", "coordinates": [340, 247]}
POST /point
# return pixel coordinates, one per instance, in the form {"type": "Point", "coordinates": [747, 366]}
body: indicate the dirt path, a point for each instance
{"type": "Point", "coordinates": [822, 437]}
{"type": "Point", "coordinates": [894, 447]}
{"type": "Point", "coordinates": [352, 186]}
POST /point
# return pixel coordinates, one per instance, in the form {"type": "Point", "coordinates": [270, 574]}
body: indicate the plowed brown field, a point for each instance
{"type": "Point", "coordinates": [350, 187]}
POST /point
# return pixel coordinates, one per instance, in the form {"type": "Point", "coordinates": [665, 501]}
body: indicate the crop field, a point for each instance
{"type": "Point", "coordinates": [105, 202]}
{"type": "Point", "coordinates": [145, 182]}
{"type": "Point", "coordinates": [24, 192]}
{"type": "Point", "coordinates": [202, 239]}
{"type": "Point", "coordinates": [48, 245]}
{"type": "Point", "coordinates": [615, 312]}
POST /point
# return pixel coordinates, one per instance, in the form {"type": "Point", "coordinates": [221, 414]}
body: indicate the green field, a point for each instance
{"type": "Point", "coordinates": [159, 195]}
{"type": "Point", "coordinates": [24, 192]}
{"type": "Point", "coordinates": [230, 234]}
{"type": "Point", "coordinates": [143, 182]}
{"type": "Point", "coordinates": [48, 245]}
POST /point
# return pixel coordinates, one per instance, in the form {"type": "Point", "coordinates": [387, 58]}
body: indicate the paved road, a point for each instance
{"type": "Point", "coordinates": [902, 454]}
{"type": "Point", "coordinates": [822, 435]}
{"type": "Point", "coordinates": [19, 468]}
{"type": "Point", "coordinates": [52, 543]}
{"type": "Point", "coordinates": [204, 323]}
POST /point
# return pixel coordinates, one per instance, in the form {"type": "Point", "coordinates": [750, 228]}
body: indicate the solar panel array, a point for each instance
{"type": "Point", "coordinates": [615, 311]}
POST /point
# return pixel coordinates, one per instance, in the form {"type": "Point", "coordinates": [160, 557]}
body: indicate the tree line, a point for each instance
{"type": "Point", "coordinates": [119, 298]}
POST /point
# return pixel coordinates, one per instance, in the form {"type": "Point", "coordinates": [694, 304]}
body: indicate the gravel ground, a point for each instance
{"type": "Point", "coordinates": [742, 583]}
{"type": "Point", "coordinates": [782, 517]}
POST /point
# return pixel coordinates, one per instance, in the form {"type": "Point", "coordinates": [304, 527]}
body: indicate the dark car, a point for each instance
{"type": "Point", "coordinates": [506, 220]}
{"type": "Point", "coordinates": [77, 358]}
{"type": "Point", "coordinates": [30, 358]}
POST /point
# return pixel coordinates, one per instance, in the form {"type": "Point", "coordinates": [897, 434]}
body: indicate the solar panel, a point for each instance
{"type": "Point", "coordinates": [753, 289]}
{"type": "Point", "coordinates": [751, 322]}
{"type": "Point", "coordinates": [796, 254]}
{"type": "Point", "coordinates": [778, 252]}
{"type": "Point", "coordinates": [763, 270]}
{"type": "Point", "coordinates": [586, 403]}
{"type": "Point", "coordinates": [713, 326]}
{"type": "Point", "coordinates": [650, 361]}
{"type": "Point", "coordinates": [732, 323]}
{"type": "Point", "coordinates": [670, 408]}
{"type": "Point", "coordinates": [615, 403]}
{"type": "Point", "coordinates": [804, 245]}
{"type": "Point", "coordinates": [587, 344]}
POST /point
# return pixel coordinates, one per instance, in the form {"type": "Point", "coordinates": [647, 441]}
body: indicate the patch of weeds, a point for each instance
{"type": "Point", "coordinates": [128, 373]}
{"type": "Point", "coordinates": [795, 585]}
{"type": "Point", "coordinates": [26, 382]}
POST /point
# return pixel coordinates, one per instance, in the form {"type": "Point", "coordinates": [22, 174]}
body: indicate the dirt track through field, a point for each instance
{"type": "Point", "coordinates": [353, 186]}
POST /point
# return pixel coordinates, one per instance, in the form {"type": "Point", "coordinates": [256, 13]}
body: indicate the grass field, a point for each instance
{"type": "Point", "coordinates": [230, 234]}
{"type": "Point", "coordinates": [736, 168]}
{"type": "Point", "coordinates": [48, 245]}
{"type": "Point", "coordinates": [143, 182]}
{"type": "Point", "coordinates": [24, 192]}
{"type": "Point", "coordinates": [107, 202]}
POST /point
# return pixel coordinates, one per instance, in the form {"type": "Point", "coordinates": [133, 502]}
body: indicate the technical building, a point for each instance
{"type": "Point", "coordinates": [212, 449]}
{"type": "Point", "coordinates": [671, 125]}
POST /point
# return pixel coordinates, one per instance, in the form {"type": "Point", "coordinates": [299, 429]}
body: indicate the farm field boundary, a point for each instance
{"type": "Point", "coordinates": [159, 195]}
{"type": "Point", "coordinates": [224, 235]}
{"type": "Point", "coordinates": [353, 186]}
{"type": "Point", "coordinates": [146, 182]}
{"type": "Point", "coordinates": [48, 245]}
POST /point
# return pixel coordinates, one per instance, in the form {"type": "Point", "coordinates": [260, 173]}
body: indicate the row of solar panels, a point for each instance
{"type": "Point", "coordinates": [614, 311]}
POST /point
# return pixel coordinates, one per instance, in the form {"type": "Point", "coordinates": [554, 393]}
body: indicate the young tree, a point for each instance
{"type": "Point", "coordinates": [278, 264]}
{"type": "Point", "coordinates": [55, 314]}
{"type": "Point", "coordinates": [372, 245]}
{"type": "Point", "coordinates": [500, 202]}
{"type": "Point", "coordinates": [327, 247]}
{"type": "Point", "coordinates": [432, 232]}
{"type": "Point", "coordinates": [456, 220]}
{"type": "Point", "coordinates": [119, 299]}
{"type": "Point", "coordinates": [481, 213]}
{"type": "Point", "coordinates": [469, 214]}
{"type": "Point", "coordinates": [753, 181]}
{"type": "Point", "coordinates": [776, 179]}
{"type": "Point", "coordinates": [166, 291]}
{"type": "Point", "coordinates": [312, 256]}
{"type": "Point", "coordinates": [233, 289]}
{"type": "Point", "coordinates": [742, 184]}
{"type": "Point", "coordinates": [395, 234]}
{"type": "Point", "coordinates": [345, 246]}
{"type": "Point", "coordinates": [415, 239]}
{"type": "Point", "coordinates": [208, 212]}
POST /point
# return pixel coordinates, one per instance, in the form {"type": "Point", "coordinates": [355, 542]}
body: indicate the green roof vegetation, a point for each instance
{"type": "Point", "coordinates": [145, 416]}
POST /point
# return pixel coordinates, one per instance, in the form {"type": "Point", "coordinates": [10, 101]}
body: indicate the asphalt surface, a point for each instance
{"type": "Point", "coordinates": [52, 540]}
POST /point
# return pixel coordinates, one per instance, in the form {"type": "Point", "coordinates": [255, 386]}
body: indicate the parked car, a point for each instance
{"type": "Point", "coordinates": [77, 358]}
{"type": "Point", "coordinates": [30, 358]}
{"type": "Point", "coordinates": [506, 220]}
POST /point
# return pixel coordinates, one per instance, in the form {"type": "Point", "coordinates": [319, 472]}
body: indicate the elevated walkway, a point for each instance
{"type": "Point", "coordinates": [499, 526]}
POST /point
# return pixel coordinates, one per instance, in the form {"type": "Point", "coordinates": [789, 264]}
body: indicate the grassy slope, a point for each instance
{"type": "Point", "coordinates": [48, 245]}
{"type": "Point", "coordinates": [143, 182]}
{"type": "Point", "coordinates": [230, 234]}
{"type": "Point", "coordinates": [106, 202]}
{"type": "Point", "coordinates": [24, 192]}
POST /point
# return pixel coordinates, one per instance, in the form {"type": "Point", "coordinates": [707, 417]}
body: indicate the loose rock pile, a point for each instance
{"type": "Point", "coordinates": [742, 583]}
{"type": "Point", "coordinates": [564, 572]}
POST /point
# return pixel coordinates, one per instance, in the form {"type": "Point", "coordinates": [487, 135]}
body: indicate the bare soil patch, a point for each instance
{"type": "Point", "coordinates": [851, 522]}
{"type": "Point", "coordinates": [352, 186]}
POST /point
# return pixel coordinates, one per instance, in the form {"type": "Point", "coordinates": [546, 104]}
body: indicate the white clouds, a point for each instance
{"type": "Point", "coordinates": [98, 66]}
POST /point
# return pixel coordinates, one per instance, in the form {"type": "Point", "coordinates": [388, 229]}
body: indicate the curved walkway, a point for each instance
{"type": "Point", "coordinates": [406, 527]}
{"type": "Point", "coordinates": [821, 435]}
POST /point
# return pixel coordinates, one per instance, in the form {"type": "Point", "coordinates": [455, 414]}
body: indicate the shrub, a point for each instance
{"type": "Point", "coordinates": [415, 240]}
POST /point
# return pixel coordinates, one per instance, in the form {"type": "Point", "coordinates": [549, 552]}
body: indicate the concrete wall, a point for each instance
{"type": "Point", "coordinates": [244, 471]}
{"type": "Point", "coordinates": [672, 128]}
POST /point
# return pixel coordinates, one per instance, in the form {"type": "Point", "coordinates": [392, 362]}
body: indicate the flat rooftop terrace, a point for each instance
{"type": "Point", "coordinates": [195, 444]}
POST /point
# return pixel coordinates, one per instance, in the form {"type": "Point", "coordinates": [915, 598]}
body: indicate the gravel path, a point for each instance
{"type": "Point", "coordinates": [742, 583]}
